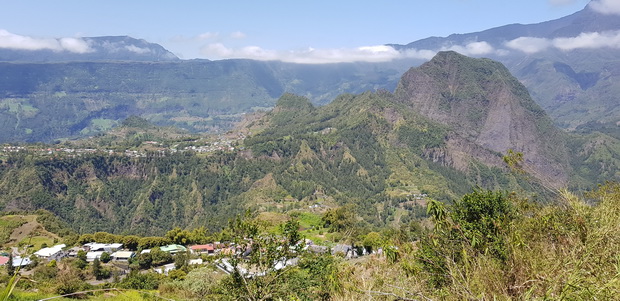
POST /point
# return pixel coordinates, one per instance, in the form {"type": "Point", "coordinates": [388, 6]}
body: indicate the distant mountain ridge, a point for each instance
{"type": "Point", "coordinates": [47, 101]}
{"type": "Point", "coordinates": [107, 48]}
{"type": "Point", "coordinates": [114, 77]}
{"type": "Point", "coordinates": [570, 65]}
{"type": "Point", "coordinates": [585, 20]}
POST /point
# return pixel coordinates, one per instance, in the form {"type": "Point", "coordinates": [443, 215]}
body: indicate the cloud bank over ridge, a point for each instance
{"type": "Point", "coordinates": [18, 42]}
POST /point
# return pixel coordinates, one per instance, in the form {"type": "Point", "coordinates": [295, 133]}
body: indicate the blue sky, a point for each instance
{"type": "Point", "coordinates": [222, 29]}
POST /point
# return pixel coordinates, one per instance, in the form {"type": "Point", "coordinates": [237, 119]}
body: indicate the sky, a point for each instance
{"type": "Point", "coordinates": [302, 31]}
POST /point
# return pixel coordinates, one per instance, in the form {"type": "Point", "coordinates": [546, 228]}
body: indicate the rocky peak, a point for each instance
{"type": "Point", "coordinates": [485, 105]}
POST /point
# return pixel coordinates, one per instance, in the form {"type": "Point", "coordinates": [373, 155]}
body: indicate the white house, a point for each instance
{"type": "Point", "coordinates": [122, 255]}
{"type": "Point", "coordinates": [93, 246]}
{"type": "Point", "coordinates": [50, 252]}
{"type": "Point", "coordinates": [165, 268]}
{"type": "Point", "coordinates": [90, 256]}
{"type": "Point", "coordinates": [21, 262]}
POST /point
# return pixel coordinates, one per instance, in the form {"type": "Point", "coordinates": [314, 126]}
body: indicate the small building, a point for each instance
{"type": "Point", "coordinates": [93, 246]}
{"type": "Point", "coordinates": [346, 251]}
{"type": "Point", "coordinates": [195, 261]}
{"type": "Point", "coordinates": [21, 262]}
{"type": "Point", "coordinates": [165, 268]}
{"type": "Point", "coordinates": [317, 249]}
{"type": "Point", "coordinates": [74, 251]}
{"type": "Point", "coordinates": [122, 255]}
{"type": "Point", "coordinates": [173, 249]}
{"type": "Point", "coordinates": [203, 249]}
{"type": "Point", "coordinates": [51, 252]}
{"type": "Point", "coordinates": [4, 260]}
{"type": "Point", "coordinates": [91, 256]}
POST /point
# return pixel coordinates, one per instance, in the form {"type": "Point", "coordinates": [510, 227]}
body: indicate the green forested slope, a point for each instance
{"type": "Point", "coordinates": [372, 152]}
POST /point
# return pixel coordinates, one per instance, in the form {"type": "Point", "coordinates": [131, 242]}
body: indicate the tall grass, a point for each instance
{"type": "Point", "coordinates": [569, 250]}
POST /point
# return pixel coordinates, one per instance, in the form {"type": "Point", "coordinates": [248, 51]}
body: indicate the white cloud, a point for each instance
{"type": "Point", "coordinates": [424, 54]}
{"type": "Point", "coordinates": [472, 49]}
{"type": "Point", "coordinates": [237, 35]}
{"type": "Point", "coordinates": [19, 42]}
{"type": "Point", "coordinates": [207, 36]}
{"type": "Point", "coordinates": [608, 7]}
{"type": "Point", "coordinates": [136, 49]}
{"type": "Point", "coordinates": [380, 53]}
{"type": "Point", "coordinates": [588, 40]}
{"type": "Point", "coordinates": [529, 45]}
{"type": "Point", "coordinates": [74, 45]}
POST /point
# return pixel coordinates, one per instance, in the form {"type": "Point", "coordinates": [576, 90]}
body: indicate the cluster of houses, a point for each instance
{"type": "Point", "coordinates": [18, 261]}
{"type": "Point", "coordinates": [95, 250]}
{"type": "Point", "coordinates": [221, 144]}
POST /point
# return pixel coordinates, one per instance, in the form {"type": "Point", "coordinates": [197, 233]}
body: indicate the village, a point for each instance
{"type": "Point", "coordinates": [225, 143]}
{"type": "Point", "coordinates": [164, 259]}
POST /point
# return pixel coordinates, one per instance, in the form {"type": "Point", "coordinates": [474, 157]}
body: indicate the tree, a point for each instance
{"type": "Point", "coordinates": [177, 274]}
{"type": "Point", "coordinates": [81, 262]}
{"type": "Point", "coordinates": [483, 217]}
{"type": "Point", "coordinates": [514, 160]}
{"type": "Point", "coordinates": [81, 254]}
{"type": "Point", "coordinates": [178, 236]}
{"type": "Point", "coordinates": [477, 224]}
{"type": "Point", "coordinates": [145, 260]}
{"type": "Point", "coordinates": [71, 240]}
{"type": "Point", "coordinates": [105, 257]}
{"type": "Point", "coordinates": [199, 235]}
{"type": "Point", "coordinates": [339, 219]}
{"type": "Point", "coordinates": [372, 241]}
{"type": "Point", "coordinates": [180, 260]}
{"type": "Point", "coordinates": [85, 238]}
{"type": "Point", "coordinates": [131, 242]}
{"type": "Point", "coordinates": [160, 257]}
{"type": "Point", "coordinates": [291, 231]}
{"type": "Point", "coordinates": [10, 269]}
{"type": "Point", "coordinates": [260, 268]}
{"type": "Point", "coordinates": [70, 280]}
{"type": "Point", "coordinates": [100, 272]}
{"type": "Point", "coordinates": [137, 280]}
{"type": "Point", "coordinates": [96, 268]}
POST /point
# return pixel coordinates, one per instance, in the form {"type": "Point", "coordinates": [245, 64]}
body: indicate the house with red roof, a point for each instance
{"type": "Point", "coordinates": [203, 249]}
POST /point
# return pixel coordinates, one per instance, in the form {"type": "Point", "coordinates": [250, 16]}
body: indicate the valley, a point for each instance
{"type": "Point", "coordinates": [474, 166]}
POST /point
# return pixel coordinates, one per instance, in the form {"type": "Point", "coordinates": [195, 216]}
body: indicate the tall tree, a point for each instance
{"type": "Point", "coordinates": [10, 269]}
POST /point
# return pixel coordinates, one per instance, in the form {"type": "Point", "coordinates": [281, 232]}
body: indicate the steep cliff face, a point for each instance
{"type": "Point", "coordinates": [485, 106]}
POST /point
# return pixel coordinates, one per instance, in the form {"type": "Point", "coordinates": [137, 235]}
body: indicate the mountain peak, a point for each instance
{"type": "Point", "coordinates": [485, 105]}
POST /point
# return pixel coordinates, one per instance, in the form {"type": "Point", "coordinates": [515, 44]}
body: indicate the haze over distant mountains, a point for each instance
{"type": "Point", "coordinates": [68, 87]}
{"type": "Point", "coordinates": [111, 48]}
{"type": "Point", "coordinates": [571, 65]}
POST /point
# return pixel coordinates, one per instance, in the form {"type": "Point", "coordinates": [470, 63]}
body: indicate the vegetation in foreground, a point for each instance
{"type": "Point", "coordinates": [487, 245]}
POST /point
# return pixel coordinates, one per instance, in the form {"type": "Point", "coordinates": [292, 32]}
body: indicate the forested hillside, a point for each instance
{"type": "Point", "coordinates": [373, 152]}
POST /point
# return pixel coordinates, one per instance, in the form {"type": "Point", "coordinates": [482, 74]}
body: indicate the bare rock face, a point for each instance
{"type": "Point", "coordinates": [487, 108]}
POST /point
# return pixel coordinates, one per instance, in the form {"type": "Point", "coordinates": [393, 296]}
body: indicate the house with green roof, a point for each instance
{"type": "Point", "coordinates": [173, 248]}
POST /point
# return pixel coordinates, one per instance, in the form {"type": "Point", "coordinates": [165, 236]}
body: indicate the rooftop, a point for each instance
{"type": "Point", "coordinates": [173, 248]}
{"type": "Point", "coordinates": [47, 252]}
